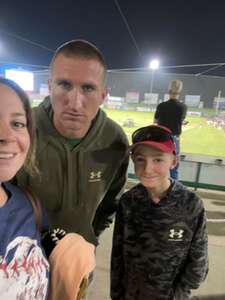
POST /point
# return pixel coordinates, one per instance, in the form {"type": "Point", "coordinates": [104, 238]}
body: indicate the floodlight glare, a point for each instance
{"type": "Point", "coordinates": [24, 79]}
{"type": "Point", "coordinates": [154, 64]}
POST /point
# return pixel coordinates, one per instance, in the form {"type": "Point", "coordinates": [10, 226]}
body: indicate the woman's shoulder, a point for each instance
{"type": "Point", "coordinates": [12, 187]}
{"type": "Point", "coordinates": [16, 194]}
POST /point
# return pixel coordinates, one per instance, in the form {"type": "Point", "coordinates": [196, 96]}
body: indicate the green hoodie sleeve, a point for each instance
{"type": "Point", "coordinates": [106, 210]}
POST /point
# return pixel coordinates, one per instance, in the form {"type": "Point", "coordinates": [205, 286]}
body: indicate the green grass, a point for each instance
{"type": "Point", "coordinates": [197, 137]}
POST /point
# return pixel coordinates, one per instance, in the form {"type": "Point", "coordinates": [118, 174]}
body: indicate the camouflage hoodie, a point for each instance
{"type": "Point", "coordinates": [159, 250]}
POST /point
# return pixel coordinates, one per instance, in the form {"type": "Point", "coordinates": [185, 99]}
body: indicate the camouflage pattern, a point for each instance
{"type": "Point", "coordinates": [160, 251]}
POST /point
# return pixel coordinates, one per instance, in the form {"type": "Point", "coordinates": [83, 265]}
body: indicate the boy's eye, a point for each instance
{"type": "Point", "coordinates": [158, 160]}
{"type": "Point", "coordinates": [139, 159]}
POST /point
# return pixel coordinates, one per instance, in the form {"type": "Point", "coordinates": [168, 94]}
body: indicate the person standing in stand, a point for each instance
{"type": "Point", "coordinates": [171, 114]}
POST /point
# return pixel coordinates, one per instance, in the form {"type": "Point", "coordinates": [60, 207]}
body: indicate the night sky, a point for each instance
{"type": "Point", "coordinates": [177, 32]}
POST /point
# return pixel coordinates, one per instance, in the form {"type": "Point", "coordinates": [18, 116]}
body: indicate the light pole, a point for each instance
{"type": "Point", "coordinates": [218, 102]}
{"type": "Point", "coordinates": [153, 65]}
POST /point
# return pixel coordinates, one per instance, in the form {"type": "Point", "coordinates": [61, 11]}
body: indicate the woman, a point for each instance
{"type": "Point", "coordinates": [24, 270]}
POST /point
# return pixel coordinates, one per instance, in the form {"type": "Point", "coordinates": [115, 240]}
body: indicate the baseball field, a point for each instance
{"type": "Point", "coordinates": [199, 136]}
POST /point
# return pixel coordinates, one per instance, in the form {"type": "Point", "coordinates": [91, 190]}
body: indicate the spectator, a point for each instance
{"type": "Point", "coordinates": [81, 153]}
{"type": "Point", "coordinates": [171, 114]}
{"type": "Point", "coordinates": [24, 270]}
{"type": "Point", "coordinates": [160, 247]}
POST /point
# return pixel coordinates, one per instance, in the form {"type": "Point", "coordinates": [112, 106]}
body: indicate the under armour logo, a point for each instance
{"type": "Point", "coordinates": [176, 234]}
{"type": "Point", "coordinates": [95, 176]}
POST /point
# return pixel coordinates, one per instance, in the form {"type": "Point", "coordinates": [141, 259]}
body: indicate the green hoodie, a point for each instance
{"type": "Point", "coordinates": [79, 188]}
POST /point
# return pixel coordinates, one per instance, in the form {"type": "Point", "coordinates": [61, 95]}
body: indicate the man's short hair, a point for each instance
{"type": "Point", "coordinates": [81, 49]}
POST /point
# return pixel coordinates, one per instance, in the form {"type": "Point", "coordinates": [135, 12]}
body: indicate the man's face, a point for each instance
{"type": "Point", "coordinates": [77, 90]}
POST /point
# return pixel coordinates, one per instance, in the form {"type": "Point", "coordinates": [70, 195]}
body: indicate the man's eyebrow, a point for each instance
{"type": "Point", "coordinates": [88, 82]}
{"type": "Point", "coordinates": [16, 114]}
{"type": "Point", "coordinates": [62, 79]}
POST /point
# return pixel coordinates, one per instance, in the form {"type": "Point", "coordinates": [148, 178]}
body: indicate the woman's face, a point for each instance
{"type": "Point", "coordinates": [14, 136]}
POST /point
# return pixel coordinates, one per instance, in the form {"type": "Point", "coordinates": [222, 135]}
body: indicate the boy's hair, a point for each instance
{"type": "Point", "coordinates": [81, 49]}
{"type": "Point", "coordinates": [156, 136]}
{"type": "Point", "coordinates": [29, 164]}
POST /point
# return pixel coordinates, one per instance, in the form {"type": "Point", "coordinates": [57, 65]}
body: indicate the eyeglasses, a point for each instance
{"type": "Point", "coordinates": [153, 133]}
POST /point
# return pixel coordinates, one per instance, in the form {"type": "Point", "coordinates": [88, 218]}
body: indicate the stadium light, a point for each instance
{"type": "Point", "coordinates": [154, 64]}
{"type": "Point", "coordinates": [24, 79]}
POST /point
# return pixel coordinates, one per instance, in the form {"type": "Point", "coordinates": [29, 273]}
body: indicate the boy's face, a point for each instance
{"type": "Point", "coordinates": [152, 166]}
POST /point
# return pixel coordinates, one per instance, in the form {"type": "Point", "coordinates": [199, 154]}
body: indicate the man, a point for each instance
{"type": "Point", "coordinates": [81, 153]}
{"type": "Point", "coordinates": [171, 114]}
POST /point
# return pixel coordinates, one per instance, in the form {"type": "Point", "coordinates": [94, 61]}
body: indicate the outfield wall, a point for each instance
{"type": "Point", "coordinates": [207, 87]}
{"type": "Point", "coordinates": [121, 83]}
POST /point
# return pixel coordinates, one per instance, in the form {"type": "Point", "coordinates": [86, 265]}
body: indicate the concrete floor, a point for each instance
{"type": "Point", "coordinates": [215, 282]}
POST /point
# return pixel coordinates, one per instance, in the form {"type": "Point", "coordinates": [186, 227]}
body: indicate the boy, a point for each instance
{"type": "Point", "coordinates": [160, 247]}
